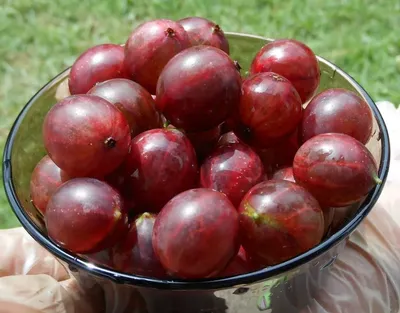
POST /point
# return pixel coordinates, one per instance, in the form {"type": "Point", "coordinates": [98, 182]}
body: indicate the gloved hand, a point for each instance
{"type": "Point", "coordinates": [365, 277]}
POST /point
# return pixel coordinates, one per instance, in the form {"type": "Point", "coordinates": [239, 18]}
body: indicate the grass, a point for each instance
{"type": "Point", "coordinates": [42, 37]}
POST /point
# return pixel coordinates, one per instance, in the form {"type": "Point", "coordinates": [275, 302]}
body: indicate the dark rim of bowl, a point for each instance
{"type": "Point", "coordinates": [218, 283]}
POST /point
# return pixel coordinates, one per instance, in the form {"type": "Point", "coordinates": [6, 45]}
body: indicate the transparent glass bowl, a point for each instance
{"type": "Point", "coordinates": [282, 288]}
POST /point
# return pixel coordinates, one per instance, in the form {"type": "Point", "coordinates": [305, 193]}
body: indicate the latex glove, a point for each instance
{"type": "Point", "coordinates": [364, 279]}
{"type": "Point", "coordinates": [32, 280]}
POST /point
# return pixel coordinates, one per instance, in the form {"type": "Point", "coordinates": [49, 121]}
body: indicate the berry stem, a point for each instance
{"type": "Point", "coordinates": [166, 124]}
{"type": "Point", "coordinates": [142, 217]}
{"type": "Point", "coordinates": [237, 65]}
{"type": "Point", "coordinates": [110, 142]}
{"type": "Point", "coordinates": [217, 29]}
{"type": "Point", "coordinates": [170, 32]}
{"type": "Point", "coordinates": [377, 180]}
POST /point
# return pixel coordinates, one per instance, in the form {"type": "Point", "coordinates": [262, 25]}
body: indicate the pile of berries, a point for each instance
{"type": "Point", "coordinates": [166, 161]}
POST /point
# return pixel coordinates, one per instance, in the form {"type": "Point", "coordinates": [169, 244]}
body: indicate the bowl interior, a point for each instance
{"type": "Point", "coordinates": [25, 148]}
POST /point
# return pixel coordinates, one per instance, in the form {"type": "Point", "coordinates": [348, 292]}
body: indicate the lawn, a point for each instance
{"type": "Point", "coordinates": [42, 37]}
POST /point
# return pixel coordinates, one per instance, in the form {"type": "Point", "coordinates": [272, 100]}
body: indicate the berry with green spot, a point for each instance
{"type": "Point", "coordinates": [278, 221]}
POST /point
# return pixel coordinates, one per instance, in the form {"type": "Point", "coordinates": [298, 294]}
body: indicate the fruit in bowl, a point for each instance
{"type": "Point", "coordinates": [279, 220]}
{"type": "Point", "coordinates": [188, 156]}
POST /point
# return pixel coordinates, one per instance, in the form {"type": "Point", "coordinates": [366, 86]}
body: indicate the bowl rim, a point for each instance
{"type": "Point", "coordinates": [76, 262]}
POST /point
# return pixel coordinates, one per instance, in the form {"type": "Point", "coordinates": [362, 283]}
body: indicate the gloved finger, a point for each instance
{"type": "Point", "coordinates": [42, 293]}
{"type": "Point", "coordinates": [365, 277]}
{"type": "Point", "coordinates": [380, 234]}
{"type": "Point", "coordinates": [21, 255]}
{"type": "Point", "coordinates": [356, 283]}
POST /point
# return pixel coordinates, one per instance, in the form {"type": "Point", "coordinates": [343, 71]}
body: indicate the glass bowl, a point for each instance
{"type": "Point", "coordinates": [284, 287]}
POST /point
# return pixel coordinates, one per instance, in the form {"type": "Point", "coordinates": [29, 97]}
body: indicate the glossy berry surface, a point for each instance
{"type": "Point", "coordinates": [336, 168]}
{"type": "Point", "coordinates": [232, 169]}
{"type": "Point", "coordinates": [196, 234]}
{"type": "Point", "coordinates": [134, 253]}
{"type": "Point", "coordinates": [202, 31]}
{"type": "Point", "coordinates": [86, 215]}
{"type": "Point", "coordinates": [204, 142]}
{"type": "Point", "coordinates": [97, 64]}
{"type": "Point", "coordinates": [86, 135]}
{"type": "Point", "coordinates": [133, 101]}
{"type": "Point", "coordinates": [45, 180]}
{"type": "Point", "coordinates": [149, 48]}
{"type": "Point", "coordinates": [270, 108]}
{"type": "Point", "coordinates": [161, 164]}
{"type": "Point", "coordinates": [293, 60]}
{"type": "Point", "coordinates": [278, 221]}
{"type": "Point", "coordinates": [337, 111]}
{"type": "Point", "coordinates": [285, 173]}
{"type": "Point", "coordinates": [198, 88]}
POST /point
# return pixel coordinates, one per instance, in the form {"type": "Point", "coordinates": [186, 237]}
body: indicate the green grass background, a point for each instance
{"type": "Point", "coordinates": [39, 38]}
